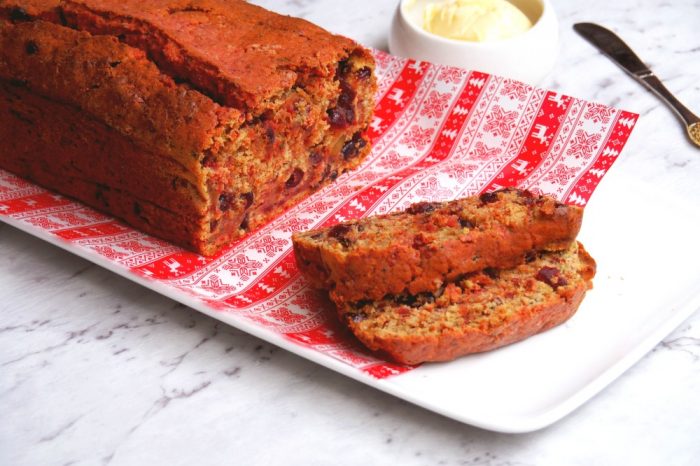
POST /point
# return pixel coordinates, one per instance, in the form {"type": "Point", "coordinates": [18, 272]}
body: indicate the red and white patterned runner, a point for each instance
{"type": "Point", "coordinates": [438, 133]}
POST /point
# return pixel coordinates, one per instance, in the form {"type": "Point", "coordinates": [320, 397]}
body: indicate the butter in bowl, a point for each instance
{"type": "Point", "coordinates": [513, 38]}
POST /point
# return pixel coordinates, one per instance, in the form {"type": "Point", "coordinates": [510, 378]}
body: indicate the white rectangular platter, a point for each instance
{"type": "Point", "coordinates": [438, 133]}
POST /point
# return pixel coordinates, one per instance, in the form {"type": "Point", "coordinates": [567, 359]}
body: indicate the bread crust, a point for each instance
{"type": "Point", "coordinates": [81, 157]}
{"type": "Point", "coordinates": [231, 49]}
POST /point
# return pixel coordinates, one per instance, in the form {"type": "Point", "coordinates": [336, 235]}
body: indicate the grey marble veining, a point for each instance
{"type": "Point", "coordinates": [97, 370]}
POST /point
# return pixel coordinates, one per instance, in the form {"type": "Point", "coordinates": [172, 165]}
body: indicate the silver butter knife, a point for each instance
{"type": "Point", "coordinates": [615, 49]}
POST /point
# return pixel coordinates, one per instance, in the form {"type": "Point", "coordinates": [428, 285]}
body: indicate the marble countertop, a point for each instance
{"type": "Point", "coordinates": [95, 369]}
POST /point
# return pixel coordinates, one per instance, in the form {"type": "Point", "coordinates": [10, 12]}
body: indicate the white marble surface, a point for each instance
{"type": "Point", "coordinates": [97, 370]}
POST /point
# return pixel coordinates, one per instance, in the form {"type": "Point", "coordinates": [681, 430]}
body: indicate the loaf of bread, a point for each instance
{"type": "Point", "coordinates": [193, 120]}
{"type": "Point", "coordinates": [477, 312]}
{"type": "Point", "coordinates": [420, 249]}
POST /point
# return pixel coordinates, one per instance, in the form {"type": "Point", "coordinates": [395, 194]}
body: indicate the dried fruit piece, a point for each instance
{"type": "Point", "coordinates": [225, 201]}
{"type": "Point", "coordinates": [343, 114]}
{"type": "Point", "coordinates": [295, 178]}
{"type": "Point", "coordinates": [363, 73]}
{"type": "Point", "coordinates": [18, 14]}
{"type": "Point", "coordinates": [31, 47]}
{"type": "Point", "coordinates": [551, 276]}
{"type": "Point", "coordinates": [422, 208]}
{"type": "Point", "coordinates": [338, 232]}
{"type": "Point", "coordinates": [248, 198]}
{"type": "Point", "coordinates": [487, 198]}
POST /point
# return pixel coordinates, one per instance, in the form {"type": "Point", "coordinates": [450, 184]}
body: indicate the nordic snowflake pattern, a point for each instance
{"type": "Point", "coordinates": [435, 104]}
{"type": "Point", "coordinates": [500, 122]}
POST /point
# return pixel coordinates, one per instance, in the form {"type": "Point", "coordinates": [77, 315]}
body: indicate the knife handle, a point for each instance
{"type": "Point", "coordinates": [651, 82]}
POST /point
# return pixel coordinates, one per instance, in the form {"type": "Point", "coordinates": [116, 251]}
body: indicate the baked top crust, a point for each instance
{"type": "Point", "coordinates": [237, 53]}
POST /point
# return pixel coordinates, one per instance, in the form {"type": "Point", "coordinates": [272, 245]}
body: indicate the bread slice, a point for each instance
{"type": "Point", "coordinates": [477, 312]}
{"type": "Point", "coordinates": [429, 244]}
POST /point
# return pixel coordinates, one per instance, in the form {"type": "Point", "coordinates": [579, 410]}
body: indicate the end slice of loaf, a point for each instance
{"type": "Point", "coordinates": [429, 244]}
{"type": "Point", "coordinates": [195, 121]}
{"type": "Point", "coordinates": [478, 312]}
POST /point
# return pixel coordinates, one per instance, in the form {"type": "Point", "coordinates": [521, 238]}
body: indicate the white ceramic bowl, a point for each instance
{"type": "Point", "coordinates": [527, 57]}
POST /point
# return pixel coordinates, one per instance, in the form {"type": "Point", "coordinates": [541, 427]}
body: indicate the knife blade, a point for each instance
{"type": "Point", "coordinates": [608, 43]}
{"type": "Point", "coordinates": [614, 48]}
